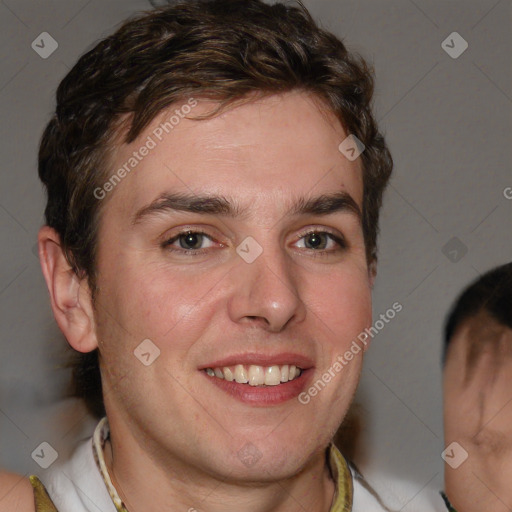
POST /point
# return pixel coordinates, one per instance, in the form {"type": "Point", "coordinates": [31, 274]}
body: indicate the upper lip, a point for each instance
{"type": "Point", "coordinates": [260, 359]}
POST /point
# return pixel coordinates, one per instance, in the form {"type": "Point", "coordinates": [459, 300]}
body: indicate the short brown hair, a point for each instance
{"type": "Point", "coordinates": [224, 50]}
{"type": "Point", "coordinates": [486, 303]}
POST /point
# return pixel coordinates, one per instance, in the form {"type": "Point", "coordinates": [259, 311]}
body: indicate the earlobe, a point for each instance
{"type": "Point", "coordinates": [70, 296]}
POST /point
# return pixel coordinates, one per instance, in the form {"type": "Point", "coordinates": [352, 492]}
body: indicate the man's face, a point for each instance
{"type": "Point", "coordinates": [212, 300]}
{"type": "Point", "coordinates": [478, 416]}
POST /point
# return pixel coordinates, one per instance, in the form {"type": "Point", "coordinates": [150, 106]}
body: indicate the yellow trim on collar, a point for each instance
{"type": "Point", "coordinates": [42, 500]}
{"type": "Point", "coordinates": [343, 496]}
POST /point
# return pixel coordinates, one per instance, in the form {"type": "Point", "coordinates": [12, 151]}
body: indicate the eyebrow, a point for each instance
{"type": "Point", "coordinates": [325, 204]}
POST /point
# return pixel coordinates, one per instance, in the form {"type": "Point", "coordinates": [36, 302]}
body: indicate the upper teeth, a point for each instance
{"type": "Point", "coordinates": [256, 375]}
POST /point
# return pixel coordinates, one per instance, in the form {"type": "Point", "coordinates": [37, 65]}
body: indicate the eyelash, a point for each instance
{"type": "Point", "coordinates": [340, 241]}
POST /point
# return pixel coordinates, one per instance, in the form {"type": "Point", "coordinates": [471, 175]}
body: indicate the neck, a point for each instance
{"type": "Point", "coordinates": [187, 488]}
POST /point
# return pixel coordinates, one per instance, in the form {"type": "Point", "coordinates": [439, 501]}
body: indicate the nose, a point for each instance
{"type": "Point", "coordinates": [267, 292]}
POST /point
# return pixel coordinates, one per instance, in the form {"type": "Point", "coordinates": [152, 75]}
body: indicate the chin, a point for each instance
{"type": "Point", "coordinates": [265, 470]}
{"type": "Point", "coordinates": [275, 457]}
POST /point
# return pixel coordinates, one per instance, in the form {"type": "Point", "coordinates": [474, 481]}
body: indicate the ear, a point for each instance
{"type": "Point", "coordinates": [70, 296]}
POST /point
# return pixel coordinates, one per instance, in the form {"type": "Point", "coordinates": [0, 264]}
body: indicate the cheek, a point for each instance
{"type": "Point", "coordinates": [342, 300]}
{"type": "Point", "coordinates": [173, 309]}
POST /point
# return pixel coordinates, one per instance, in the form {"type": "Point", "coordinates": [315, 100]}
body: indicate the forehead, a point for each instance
{"type": "Point", "coordinates": [264, 151]}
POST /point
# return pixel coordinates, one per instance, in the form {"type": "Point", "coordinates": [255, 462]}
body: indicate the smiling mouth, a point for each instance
{"type": "Point", "coordinates": [254, 375]}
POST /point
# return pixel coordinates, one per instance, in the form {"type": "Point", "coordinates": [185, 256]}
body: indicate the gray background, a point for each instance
{"type": "Point", "coordinates": [448, 124]}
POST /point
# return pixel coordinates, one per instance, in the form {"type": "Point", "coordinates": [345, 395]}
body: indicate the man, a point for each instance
{"type": "Point", "coordinates": [477, 387]}
{"type": "Point", "coordinates": [214, 177]}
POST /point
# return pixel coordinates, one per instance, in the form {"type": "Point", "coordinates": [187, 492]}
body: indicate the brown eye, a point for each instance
{"type": "Point", "coordinates": [191, 240]}
{"type": "Point", "coordinates": [315, 240]}
{"type": "Point", "coordinates": [322, 242]}
{"type": "Point", "coordinates": [189, 243]}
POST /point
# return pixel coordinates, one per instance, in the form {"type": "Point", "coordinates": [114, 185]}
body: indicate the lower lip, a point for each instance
{"type": "Point", "coordinates": [264, 395]}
